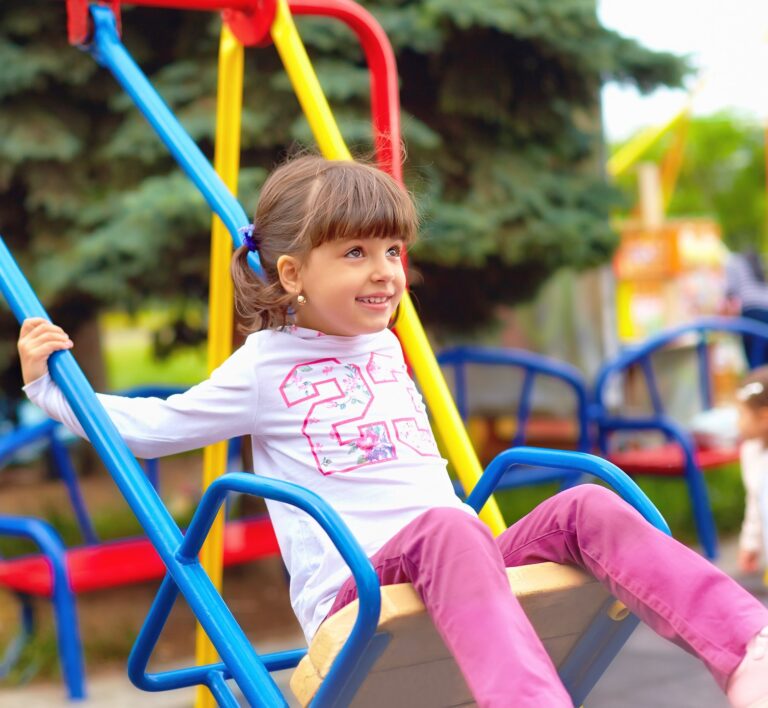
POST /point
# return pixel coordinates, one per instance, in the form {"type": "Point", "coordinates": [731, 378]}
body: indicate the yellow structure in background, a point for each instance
{"type": "Point", "coordinates": [412, 336]}
{"type": "Point", "coordinates": [628, 155]}
{"type": "Point", "coordinates": [229, 104]}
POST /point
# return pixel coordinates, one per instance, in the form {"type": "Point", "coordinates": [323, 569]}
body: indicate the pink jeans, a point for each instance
{"type": "Point", "coordinates": [458, 570]}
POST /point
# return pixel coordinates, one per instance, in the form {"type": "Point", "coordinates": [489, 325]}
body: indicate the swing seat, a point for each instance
{"type": "Point", "coordinates": [417, 670]}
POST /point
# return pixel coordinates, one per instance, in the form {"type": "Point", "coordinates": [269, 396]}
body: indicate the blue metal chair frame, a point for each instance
{"type": "Point", "coordinates": [185, 574]}
{"type": "Point", "coordinates": [532, 365]}
{"type": "Point", "coordinates": [608, 422]}
{"type": "Point", "coordinates": [52, 547]}
{"type": "Point", "coordinates": [64, 608]}
{"type": "Point", "coordinates": [605, 636]}
{"type": "Point", "coordinates": [49, 431]}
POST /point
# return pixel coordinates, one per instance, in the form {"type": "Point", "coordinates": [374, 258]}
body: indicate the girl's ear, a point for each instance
{"type": "Point", "coordinates": [289, 272]}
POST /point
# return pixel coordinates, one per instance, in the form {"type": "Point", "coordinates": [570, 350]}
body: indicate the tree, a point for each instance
{"type": "Point", "coordinates": [500, 104]}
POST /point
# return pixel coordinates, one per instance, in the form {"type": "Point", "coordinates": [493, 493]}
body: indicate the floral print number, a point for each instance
{"type": "Point", "coordinates": [339, 437]}
{"type": "Point", "coordinates": [411, 431]}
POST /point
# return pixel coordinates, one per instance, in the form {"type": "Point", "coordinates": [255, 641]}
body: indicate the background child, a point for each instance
{"type": "Point", "coordinates": [322, 389]}
{"type": "Point", "coordinates": [753, 426]}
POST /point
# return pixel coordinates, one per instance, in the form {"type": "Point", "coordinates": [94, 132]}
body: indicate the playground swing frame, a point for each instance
{"type": "Point", "coordinates": [184, 573]}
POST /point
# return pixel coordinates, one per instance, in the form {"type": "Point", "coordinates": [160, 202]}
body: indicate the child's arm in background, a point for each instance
{"type": "Point", "coordinates": [750, 538]}
{"type": "Point", "coordinates": [222, 407]}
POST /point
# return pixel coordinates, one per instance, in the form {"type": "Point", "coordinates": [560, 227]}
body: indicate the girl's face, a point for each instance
{"type": "Point", "coordinates": [753, 422]}
{"type": "Point", "coordinates": [352, 287]}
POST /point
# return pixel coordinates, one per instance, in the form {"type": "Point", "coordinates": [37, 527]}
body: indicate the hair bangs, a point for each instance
{"type": "Point", "coordinates": [355, 201]}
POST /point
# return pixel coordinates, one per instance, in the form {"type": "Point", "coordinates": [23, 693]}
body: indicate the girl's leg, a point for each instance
{"type": "Point", "coordinates": [453, 563]}
{"type": "Point", "coordinates": [682, 596]}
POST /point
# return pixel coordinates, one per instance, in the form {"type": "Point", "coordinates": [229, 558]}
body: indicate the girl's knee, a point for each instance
{"type": "Point", "coordinates": [593, 499]}
{"type": "Point", "coordinates": [452, 523]}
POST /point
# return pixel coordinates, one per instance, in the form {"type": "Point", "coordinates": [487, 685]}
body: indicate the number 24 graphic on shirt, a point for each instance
{"type": "Point", "coordinates": [342, 434]}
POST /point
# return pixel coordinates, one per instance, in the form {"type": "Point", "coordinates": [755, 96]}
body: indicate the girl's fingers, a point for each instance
{"type": "Point", "coordinates": [36, 338]}
{"type": "Point", "coordinates": [41, 333]}
{"type": "Point", "coordinates": [36, 346]}
{"type": "Point", "coordinates": [32, 323]}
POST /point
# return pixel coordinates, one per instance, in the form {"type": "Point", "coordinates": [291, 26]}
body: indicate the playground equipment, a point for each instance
{"type": "Point", "coordinates": [60, 573]}
{"type": "Point", "coordinates": [604, 631]}
{"type": "Point", "coordinates": [680, 455]}
{"type": "Point", "coordinates": [459, 359]}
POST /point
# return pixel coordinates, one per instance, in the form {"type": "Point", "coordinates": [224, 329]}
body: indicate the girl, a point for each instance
{"type": "Point", "coordinates": [753, 426]}
{"type": "Point", "coordinates": [322, 389]}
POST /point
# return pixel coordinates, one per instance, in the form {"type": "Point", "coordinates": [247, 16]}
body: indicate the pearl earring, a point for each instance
{"type": "Point", "coordinates": [301, 299]}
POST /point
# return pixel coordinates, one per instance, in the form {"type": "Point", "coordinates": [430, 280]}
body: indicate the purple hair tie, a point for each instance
{"type": "Point", "coordinates": [250, 236]}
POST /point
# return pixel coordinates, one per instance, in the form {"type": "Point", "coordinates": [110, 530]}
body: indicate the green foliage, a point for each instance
{"type": "Point", "coordinates": [500, 118]}
{"type": "Point", "coordinates": [723, 177]}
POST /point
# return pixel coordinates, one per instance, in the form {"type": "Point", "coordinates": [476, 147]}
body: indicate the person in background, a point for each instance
{"type": "Point", "coordinates": [746, 294]}
{"type": "Point", "coordinates": [753, 426]}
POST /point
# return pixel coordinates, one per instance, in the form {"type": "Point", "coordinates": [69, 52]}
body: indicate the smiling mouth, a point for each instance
{"type": "Point", "coordinates": [374, 300]}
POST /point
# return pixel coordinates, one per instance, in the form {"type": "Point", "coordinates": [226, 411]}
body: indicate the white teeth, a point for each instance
{"type": "Point", "coordinates": [374, 300]}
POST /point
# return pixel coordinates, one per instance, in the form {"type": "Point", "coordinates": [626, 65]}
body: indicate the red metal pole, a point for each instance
{"type": "Point", "coordinates": [385, 98]}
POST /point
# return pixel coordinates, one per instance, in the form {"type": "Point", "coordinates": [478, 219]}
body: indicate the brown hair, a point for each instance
{"type": "Point", "coordinates": [753, 391]}
{"type": "Point", "coordinates": [304, 203]}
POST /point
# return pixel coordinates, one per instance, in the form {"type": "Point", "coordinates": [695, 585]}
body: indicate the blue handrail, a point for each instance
{"type": "Point", "coordinates": [67, 629]}
{"type": "Point", "coordinates": [178, 552]}
{"type": "Point", "coordinates": [567, 460]}
{"type": "Point", "coordinates": [637, 354]}
{"type": "Point", "coordinates": [233, 646]}
{"type": "Point", "coordinates": [109, 52]}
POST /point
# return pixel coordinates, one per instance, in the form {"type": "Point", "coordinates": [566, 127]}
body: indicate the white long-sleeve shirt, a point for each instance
{"type": "Point", "coordinates": [337, 415]}
{"type": "Point", "coordinates": [754, 472]}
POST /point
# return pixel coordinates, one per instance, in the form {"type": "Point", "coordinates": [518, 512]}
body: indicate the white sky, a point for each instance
{"type": "Point", "coordinates": [728, 41]}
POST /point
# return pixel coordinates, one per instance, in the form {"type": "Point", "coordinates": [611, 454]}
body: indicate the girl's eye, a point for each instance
{"type": "Point", "coordinates": [355, 252]}
{"type": "Point", "coordinates": [395, 251]}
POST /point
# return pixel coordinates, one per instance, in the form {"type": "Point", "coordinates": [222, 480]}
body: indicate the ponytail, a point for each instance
{"type": "Point", "coordinates": [260, 304]}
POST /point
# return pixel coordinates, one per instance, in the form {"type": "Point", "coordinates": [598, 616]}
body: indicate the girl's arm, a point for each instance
{"type": "Point", "coordinates": [219, 408]}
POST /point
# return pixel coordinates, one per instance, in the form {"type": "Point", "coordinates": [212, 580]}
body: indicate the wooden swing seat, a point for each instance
{"type": "Point", "coordinates": [416, 670]}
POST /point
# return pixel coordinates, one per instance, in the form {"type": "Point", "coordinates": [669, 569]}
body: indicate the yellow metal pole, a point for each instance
{"type": "Point", "coordinates": [627, 155]}
{"type": "Point", "coordinates": [226, 162]}
{"type": "Point", "coordinates": [414, 340]}
{"type": "Point", "coordinates": [673, 160]}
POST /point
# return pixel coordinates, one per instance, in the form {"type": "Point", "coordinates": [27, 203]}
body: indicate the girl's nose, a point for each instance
{"type": "Point", "coordinates": [384, 271]}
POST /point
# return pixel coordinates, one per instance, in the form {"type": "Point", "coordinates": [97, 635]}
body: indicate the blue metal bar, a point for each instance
{"type": "Point", "coordinates": [705, 386]}
{"type": "Point", "coordinates": [492, 356]}
{"type": "Point", "coordinates": [26, 630]}
{"type": "Point", "coordinates": [697, 489]}
{"type": "Point", "coordinates": [220, 691]}
{"type": "Point", "coordinates": [626, 488]}
{"type": "Point", "coordinates": [69, 477]}
{"type": "Point", "coordinates": [202, 597]}
{"type": "Point", "coordinates": [460, 379]}
{"type": "Point", "coordinates": [594, 651]}
{"type": "Point", "coordinates": [653, 389]}
{"type": "Point", "coordinates": [734, 325]}
{"type": "Point", "coordinates": [151, 468]}
{"type": "Point", "coordinates": [596, 648]}
{"type": "Point", "coordinates": [20, 437]}
{"type": "Point", "coordinates": [359, 651]}
{"type": "Point", "coordinates": [524, 408]}
{"type": "Point", "coordinates": [109, 52]}
{"type": "Point", "coordinates": [65, 612]}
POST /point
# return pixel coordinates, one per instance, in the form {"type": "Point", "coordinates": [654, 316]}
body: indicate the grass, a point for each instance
{"type": "Point", "coordinates": [130, 359]}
